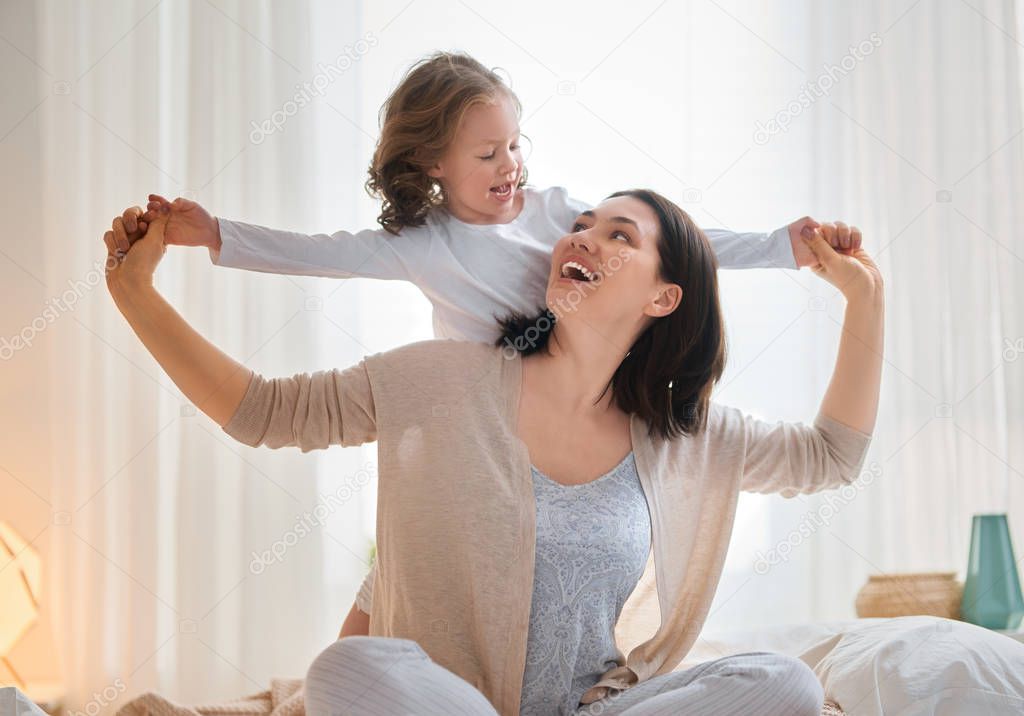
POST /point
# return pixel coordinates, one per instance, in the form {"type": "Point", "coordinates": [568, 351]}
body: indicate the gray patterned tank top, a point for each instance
{"type": "Point", "coordinates": [593, 541]}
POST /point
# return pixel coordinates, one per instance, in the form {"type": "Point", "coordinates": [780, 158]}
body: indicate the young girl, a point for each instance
{"type": "Point", "coordinates": [458, 218]}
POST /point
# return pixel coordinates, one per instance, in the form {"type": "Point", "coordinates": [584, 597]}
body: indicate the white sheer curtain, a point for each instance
{"type": "Point", "coordinates": [920, 145]}
{"type": "Point", "coordinates": [158, 578]}
{"type": "Point", "coordinates": [919, 142]}
{"type": "Point", "coordinates": [148, 517]}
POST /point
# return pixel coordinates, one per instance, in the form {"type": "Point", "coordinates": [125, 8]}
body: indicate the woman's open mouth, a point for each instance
{"type": "Point", "coordinates": [575, 271]}
{"type": "Point", "coordinates": [502, 192]}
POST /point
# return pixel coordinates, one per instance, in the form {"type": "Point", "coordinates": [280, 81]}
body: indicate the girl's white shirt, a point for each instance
{"type": "Point", "coordinates": [470, 273]}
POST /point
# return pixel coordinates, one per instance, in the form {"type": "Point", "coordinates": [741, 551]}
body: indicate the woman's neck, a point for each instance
{"type": "Point", "coordinates": [576, 370]}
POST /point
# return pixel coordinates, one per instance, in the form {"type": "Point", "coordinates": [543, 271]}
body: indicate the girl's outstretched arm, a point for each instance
{"type": "Point", "coordinates": [370, 253]}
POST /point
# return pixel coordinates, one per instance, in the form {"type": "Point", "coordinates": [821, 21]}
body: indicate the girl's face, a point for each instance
{"type": "Point", "coordinates": [607, 270]}
{"type": "Point", "coordinates": [483, 166]}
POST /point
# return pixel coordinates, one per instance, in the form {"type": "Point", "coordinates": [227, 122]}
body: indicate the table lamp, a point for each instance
{"type": "Point", "coordinates": [20, 577]}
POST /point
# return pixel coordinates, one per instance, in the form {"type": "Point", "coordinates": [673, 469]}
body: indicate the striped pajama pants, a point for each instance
{"type": "Point", "coordinates": [382, 676]}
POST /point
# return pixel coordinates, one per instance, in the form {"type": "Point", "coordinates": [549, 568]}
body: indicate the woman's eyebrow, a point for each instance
{"type": "Point", "coordinates": [616, 219]}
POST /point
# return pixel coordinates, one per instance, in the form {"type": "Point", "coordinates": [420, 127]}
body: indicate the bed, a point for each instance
{"type": "Point", "coordinates": [868, 667]}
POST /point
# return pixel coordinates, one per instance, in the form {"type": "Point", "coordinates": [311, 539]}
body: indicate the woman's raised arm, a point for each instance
{"type": "Point", "coordinates": [852, 395]}
{"type": "Point", "coordinates": [212, 380]}
{"type": "Point", "coordinates": [332, 407]}
{"type": "Point", "coordinates": [797, 458]}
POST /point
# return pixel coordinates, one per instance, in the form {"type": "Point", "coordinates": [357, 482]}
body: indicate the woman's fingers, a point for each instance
{"type": "Point", "coordinates": [120, 236]}
{"type": "Point", "coordinates": [108, 239]}
{"type": "Point", "coordinates": [130, 219]}
{"type": "Point", "coordinates": [855, 238]}
{"type": "Point", "coordinates": [828, 232]}
{"type": "Point", "coordinates": [842, 235]}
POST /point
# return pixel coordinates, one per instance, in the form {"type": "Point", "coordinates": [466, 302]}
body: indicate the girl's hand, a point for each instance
{"type": "Point", "coordinates": [841, 240]}
{"type": "Point", "coordinates": [137, 265]}
{"type": "Point", "coordinates": [852, 272]}
{"type": "Point", "coordinates": [189, 224]}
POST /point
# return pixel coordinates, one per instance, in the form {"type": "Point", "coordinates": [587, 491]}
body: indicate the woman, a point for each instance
{"type": "Point", "coordinates": [503, 562]}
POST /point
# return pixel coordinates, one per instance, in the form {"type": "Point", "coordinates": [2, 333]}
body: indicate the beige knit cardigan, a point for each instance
{"type": "Point", "coordinates": [456, 512]}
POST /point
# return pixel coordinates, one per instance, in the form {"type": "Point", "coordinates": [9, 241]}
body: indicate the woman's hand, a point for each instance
{"type": "Point", "coordinates": [137, 265]}
{"type": "Point", "coordinates": [852, 272]}
{"type": "Point", "coordinates": [212, 380]}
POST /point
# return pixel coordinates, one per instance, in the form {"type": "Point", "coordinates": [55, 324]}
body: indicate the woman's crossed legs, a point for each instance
{"type": "Point", "coordinates": [371, 676]}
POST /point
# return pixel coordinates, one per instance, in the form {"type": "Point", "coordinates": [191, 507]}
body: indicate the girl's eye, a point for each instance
{"type": "Point", "coordinates": [623, 234]}
{"type": "Point", "coordinates": [514, 148]}
{"type": "Point", "coordinates": [576, 226]}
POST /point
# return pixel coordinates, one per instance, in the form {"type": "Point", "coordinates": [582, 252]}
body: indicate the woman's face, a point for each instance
{"type": "Point", "coordinates": [606, 271]}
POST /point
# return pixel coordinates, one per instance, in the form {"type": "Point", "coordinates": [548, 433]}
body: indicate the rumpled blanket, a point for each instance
{"type": "Point", "coordinates": [285, 697]}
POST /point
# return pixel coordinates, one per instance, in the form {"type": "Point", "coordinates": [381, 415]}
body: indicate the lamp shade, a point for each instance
{"type": "Point", "coordinates": [20, 578]}
{"type": "Point", "coordinates": [992, 596]}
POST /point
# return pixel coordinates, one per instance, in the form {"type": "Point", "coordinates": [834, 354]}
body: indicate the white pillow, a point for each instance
{"type": "Point", "coordinates": [15, 703]}
{"type": "Point", "coordinates": [920, 665]}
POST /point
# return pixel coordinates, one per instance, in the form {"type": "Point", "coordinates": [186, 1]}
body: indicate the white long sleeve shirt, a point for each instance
{"type": "Point", "coordinates": [468, 272]}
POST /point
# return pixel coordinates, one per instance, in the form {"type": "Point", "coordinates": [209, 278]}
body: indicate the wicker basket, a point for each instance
{"type": "Point", "coordinates": [899, 595]}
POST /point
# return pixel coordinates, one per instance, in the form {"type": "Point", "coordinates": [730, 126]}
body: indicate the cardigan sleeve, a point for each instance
{"type": "Point", "coordinates": [795, 458]}
{"type": "Point", "coordinates": [311, 412]}
{"type": "Point", "coordinates": [364, 597]}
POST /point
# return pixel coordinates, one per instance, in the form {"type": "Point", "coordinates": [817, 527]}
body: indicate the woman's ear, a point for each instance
{"type": "Point", "coordinates": [435, 171]}
{"type": "Point", "coordinates": [667, 300]}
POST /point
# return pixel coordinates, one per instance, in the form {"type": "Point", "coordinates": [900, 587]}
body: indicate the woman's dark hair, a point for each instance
{"type": "Point", "coordinates": [669, 373]}
{"type": "Point", "coordinates": [419, 121]}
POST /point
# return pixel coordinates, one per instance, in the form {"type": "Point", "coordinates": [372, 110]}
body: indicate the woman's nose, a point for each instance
{"type": "Point", "coordinates": [581, 242]}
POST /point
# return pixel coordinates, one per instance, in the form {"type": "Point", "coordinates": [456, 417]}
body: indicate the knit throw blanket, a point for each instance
{"type": "Point", "coordinates": [283, 698]}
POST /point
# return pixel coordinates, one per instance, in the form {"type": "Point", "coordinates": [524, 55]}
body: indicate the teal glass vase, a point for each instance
{"type": "Point", "coordinates": [992, 596]}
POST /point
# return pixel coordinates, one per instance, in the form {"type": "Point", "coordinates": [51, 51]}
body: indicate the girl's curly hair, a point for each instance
{"type": "Point", "coordinates": [419, 121]}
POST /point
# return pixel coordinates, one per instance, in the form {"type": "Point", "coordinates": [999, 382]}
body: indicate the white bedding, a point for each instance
{"type": "Point", "coordinates": [894, 667]}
